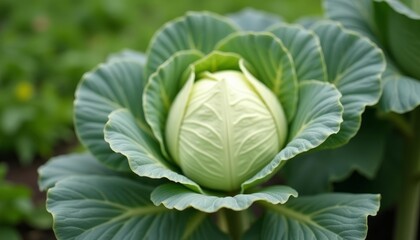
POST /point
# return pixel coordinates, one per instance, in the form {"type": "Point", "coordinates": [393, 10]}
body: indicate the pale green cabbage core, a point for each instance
{"type": "Point", "coordinates": [227, 132]}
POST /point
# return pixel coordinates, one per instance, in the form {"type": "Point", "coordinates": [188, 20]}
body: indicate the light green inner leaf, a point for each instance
{"type": "Point", "coordinates": [270, 63]}
{"type": "Point", "coordinates": [162, 88]}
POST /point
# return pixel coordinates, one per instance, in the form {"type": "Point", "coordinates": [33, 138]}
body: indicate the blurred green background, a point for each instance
{"type": "Point", "coordinates": [45, 47]}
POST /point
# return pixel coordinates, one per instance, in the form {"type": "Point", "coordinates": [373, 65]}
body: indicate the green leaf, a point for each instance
{"type": "Point", "coordinates": [400, 93]}
{"type": "Point", "coordinates": [363, 153]}
{"type": "Point", "coordinates": [319, 114]}
{"type": "Point", "coordinates": [270, 62]}
{"type": "Point", "coordinates": [107, 207]}
{"type": "Point", "coordinates": [109, 87]}
{"type": "Point", "coordinates": [305, 48]}
{"type": "Point", "coordinates": [126, 137]}
{"type": "Point", "coordinates": [356, 15]}
{"type": "Point", "coordinates": [327, 216]}
{"type": "Point", "coordinates": [250, 19]}
{"type": "Point", "coordinates": [175, 196]}
{"type": "Point", "coordinates": [354, 66]}
{"type": "Point", "coordinates": [65, 166]}
{"type": "Point", "coordinates": [400, 31]}
{"type": "Point", "coordinates": [199, 31]}
{"type": "Point", "coordinates": [162, 88]}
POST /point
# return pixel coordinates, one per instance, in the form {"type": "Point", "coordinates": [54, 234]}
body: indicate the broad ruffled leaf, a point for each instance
{"type": "Point", "coordinates": [109, 87]}
{"type": "Point", "coordinates": [250, 19]}
{"type": "Point", "coordinates": [66, 166]}
{"type": "Point", "coordinates": [319, 114]}
{"type": "Point", "coordinates": [400, 32]}
{"type": "Point", "coordinates": [355, 15]}
{"type": "Point", "coordinates": [175, 196]}
{"type": "Point", "coordinates": [354, 66]}
{"type": "Point", "coordinates": [400, 93]}
{"type": "Point", "coordinates": [270, 62]}
{"type": "Point", "coordinates": [200, 31]}
{"type": "Point", "coordinates": [126, 137]}
{"type": "Point", "coordinates": [363, 154]}
{"type": "Point", "coordinates": [305, 49]}
{"type": "Point", "coordinates": [161, 90]}
{"type": "Point", "coordinates": [104, 207]}
{"type": "Point", "coordinates": [328, 216]}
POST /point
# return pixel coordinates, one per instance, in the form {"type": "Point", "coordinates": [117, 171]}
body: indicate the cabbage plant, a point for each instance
{"type": "Point", "coordinates": [186, 141]}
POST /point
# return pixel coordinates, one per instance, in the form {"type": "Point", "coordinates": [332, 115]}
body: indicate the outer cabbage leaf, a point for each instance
{"type": "Point", "coordinates": [109, 87]}
{"type": "Point", "coordinates": [327, 216]}
{"type": "Point", "coordinates": [400, 32]}
{"type": "Point", "coordinates": [400, 93]}
{"type": "Point", "coordinates": [315, 172]}
{"type": "Point", "coordinates": [305, 48]}
{"type": "Point", "coordinates": [175, 196]}
{"type": "Point", "coordinates": [144, 156]}
{"type": "Point", "coordinates": [199, 31]}
{"type": "Point", "coordinates": [356, 15]}
{"type": "Point", "coordinates": [354, 66]}
{"type": "Point", "coordinates": [118, 208]}
{"type": "Point", "coordinates": [128, 54]}
{"type": "Point", "coordinates": [319, 114]}
{"type": "Point", "coordinates": [250, 19]}
{"type": "Point", "coordinates": [61, 167]}
{"type": "Point", "coordinates": [270, 62]}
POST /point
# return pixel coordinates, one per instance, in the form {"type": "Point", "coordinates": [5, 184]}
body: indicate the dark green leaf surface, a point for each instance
{"type": "Point", "coordinates": [101, 207]}
{"type": "Point", "coordinates": [328, 216]}
{"type": "Point", "coordinates": [354, 66]}
{"type": "Point", "coordinates": [199, 31]}
{"type": "Point", "coordinates": [109, 87]}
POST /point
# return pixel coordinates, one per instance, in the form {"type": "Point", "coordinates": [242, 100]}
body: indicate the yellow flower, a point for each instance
{"type": "Point", "coordinates": [24, 91]}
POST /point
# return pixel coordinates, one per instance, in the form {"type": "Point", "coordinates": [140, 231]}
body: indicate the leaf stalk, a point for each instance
{"type": "Point", "coordinates": [408, 206]}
